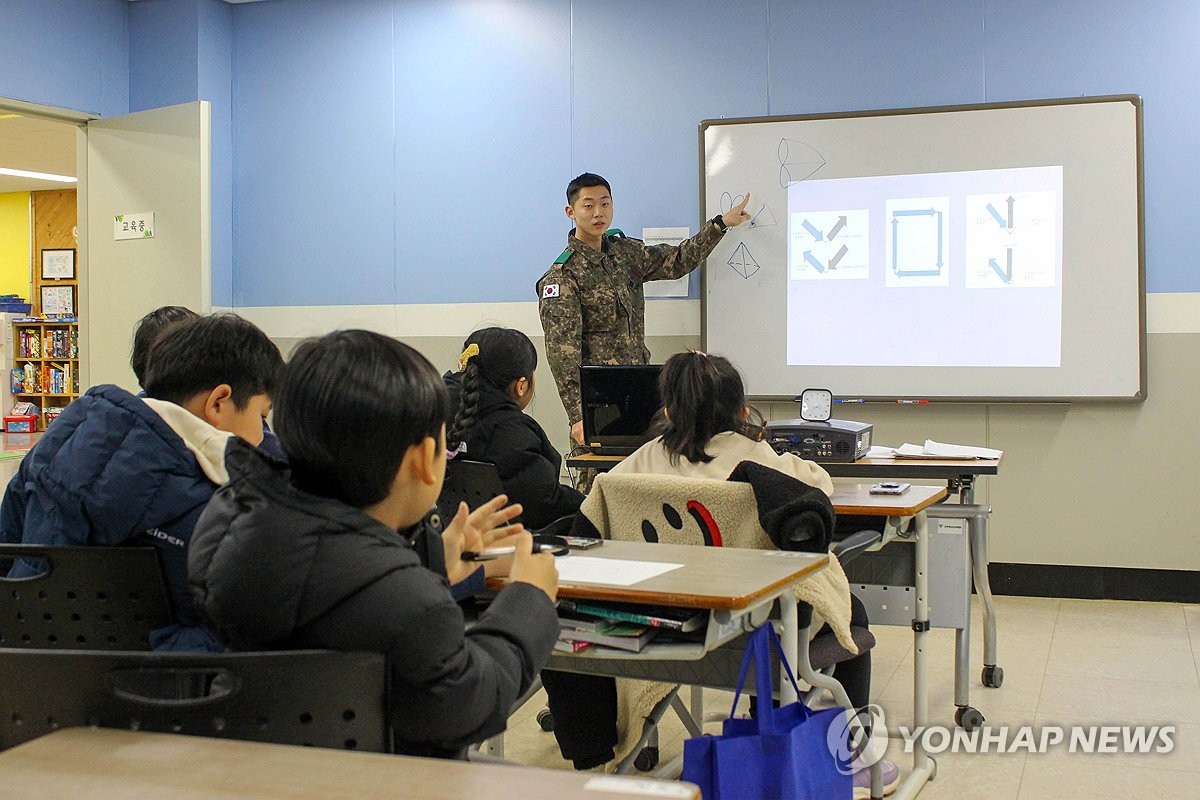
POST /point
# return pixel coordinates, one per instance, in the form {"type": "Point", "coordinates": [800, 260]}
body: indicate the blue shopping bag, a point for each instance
{"type": "Point", "coordinates": [781, 755]}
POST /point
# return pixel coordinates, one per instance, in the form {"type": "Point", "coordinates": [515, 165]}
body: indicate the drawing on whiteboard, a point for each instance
{"type": "Point", "coordinates": [742, 262]}
{"type": "Point", "coordinates": [728, 201]}
{"type": "Point", "coordinates": [763, 218]}
{"type": "Point", "coordinates": [797, 161]}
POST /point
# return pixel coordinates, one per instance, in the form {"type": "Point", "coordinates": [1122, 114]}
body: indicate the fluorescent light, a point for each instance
{"type": "Point", "coordinates": [41, 176]}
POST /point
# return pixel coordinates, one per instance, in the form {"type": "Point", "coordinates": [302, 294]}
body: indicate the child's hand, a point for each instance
{"type": "Point", "coordinates": [475, 530]}
{"type": "Point", "coordinates": [537, 569]}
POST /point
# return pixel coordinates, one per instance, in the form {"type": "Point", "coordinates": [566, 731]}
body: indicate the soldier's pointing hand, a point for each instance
{"type": "Point", "coordinates": [736, 215]}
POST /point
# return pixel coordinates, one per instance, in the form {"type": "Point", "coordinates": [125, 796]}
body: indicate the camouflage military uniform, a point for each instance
{"type": "Point", "coordinates": [592, 307]}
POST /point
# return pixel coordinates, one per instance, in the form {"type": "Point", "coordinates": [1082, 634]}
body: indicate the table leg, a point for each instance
{"type": "Point", "coordinates": [790, 617]}
{"type": "Point", "coordinates": [923, 766]}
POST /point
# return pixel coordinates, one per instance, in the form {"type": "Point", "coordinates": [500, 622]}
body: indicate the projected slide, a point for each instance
{"type": "Point", "coordinates": [953, 269]}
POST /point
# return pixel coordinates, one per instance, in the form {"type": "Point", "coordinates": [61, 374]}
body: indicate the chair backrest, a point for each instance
{"type": "Point", "coordinates": [675, 510]}
{"type": "Point", "coordinates": [87, 598]}
{"type": "Point", "coordinates": [318, 698]}
{"type": "Point", "coordinates": [474, 482]}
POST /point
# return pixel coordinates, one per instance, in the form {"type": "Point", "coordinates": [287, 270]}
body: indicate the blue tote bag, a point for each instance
{"type": "Point", "coordinates": [781, 755]}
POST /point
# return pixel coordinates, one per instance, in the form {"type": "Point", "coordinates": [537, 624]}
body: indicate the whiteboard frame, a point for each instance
{"type": "Point", "coordinates": [1136, 100]}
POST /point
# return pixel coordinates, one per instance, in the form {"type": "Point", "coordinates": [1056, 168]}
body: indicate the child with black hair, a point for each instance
{"type": "Point", "coordinates": [321, 553]}
{"type": "Point", "coordinates": [146, 331]}
{"type": "Point", "coordinates": [115, 468]}
{"type": "Point", "coordinates": [488, 398]}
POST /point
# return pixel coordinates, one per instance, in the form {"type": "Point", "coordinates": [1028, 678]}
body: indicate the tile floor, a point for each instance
{"type": "Point", "coordinates": [1066, 662]}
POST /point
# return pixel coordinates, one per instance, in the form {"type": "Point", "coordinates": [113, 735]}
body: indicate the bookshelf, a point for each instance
{"type": "Point", "coordinates": [46, 354]}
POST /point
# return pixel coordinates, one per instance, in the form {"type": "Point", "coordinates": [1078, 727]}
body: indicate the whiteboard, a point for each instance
{"type": "Point", "coordinates": [968, 253]}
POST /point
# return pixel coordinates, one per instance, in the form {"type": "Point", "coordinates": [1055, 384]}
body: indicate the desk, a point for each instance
{"type": "Point", "coordinates": [738, 586]}
{"type": "Point", "coordinates": [960, 476]}
{"type": "Point", "coordinates": [736, 582]}
{"type": "Point", "coordinates": [907, 518]}
{"type": "Point", "coordinates": [100, 764]}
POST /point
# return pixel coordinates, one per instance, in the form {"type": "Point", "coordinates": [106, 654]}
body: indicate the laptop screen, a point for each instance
{"type": "Point", "coordinates": [619, 404]}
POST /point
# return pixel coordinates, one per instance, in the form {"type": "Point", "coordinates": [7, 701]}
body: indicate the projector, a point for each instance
{"type": "Point", "coordinates": [837, 440]}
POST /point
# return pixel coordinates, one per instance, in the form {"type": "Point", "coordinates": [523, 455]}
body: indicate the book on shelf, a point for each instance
{"type": "Point", "coordinates": [685, 620]}
{"type": "Point", "coordinates": [567, 646]}
{"type": "Point", "coordinates": [619, 635]}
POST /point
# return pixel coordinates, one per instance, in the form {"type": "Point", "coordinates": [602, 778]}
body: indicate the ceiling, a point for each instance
{"type": "Point", "coordinates": [36, 145]}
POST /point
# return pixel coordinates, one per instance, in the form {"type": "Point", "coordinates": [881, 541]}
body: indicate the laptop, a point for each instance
{"type": "Point", "coordinates": [619, 406]}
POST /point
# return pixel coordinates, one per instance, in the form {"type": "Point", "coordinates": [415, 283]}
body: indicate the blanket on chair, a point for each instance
{"type": "Point", "coordinates": [757, 507]}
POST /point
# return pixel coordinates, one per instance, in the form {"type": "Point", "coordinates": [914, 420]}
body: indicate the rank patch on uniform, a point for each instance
{"type": "Point", "coordinates": [550, 290]}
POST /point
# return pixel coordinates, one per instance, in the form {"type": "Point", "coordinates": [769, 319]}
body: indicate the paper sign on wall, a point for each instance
{"type": "Point", "coordinates": [134, 226]}
{"type": "Point", "coordinates": [679, 286]}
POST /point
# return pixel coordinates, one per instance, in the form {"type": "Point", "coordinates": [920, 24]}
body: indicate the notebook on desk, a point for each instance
{"type": "Point", "coordinates": [619, 406]}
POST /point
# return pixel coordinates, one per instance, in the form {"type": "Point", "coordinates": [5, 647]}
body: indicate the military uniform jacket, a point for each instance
{"type": "Point", "coordinates": [592, 306]}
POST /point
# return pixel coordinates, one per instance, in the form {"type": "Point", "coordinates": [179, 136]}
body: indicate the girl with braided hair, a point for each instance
{"type": "Point", "coordinates": [488, 397]}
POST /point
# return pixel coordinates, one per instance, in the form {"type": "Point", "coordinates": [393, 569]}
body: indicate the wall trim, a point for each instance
{"type": "Point", "coordinates": [1095, 583]}
{"type": "Point", "coordinates": [1166, 312]}
{"type": "Point", "coordinates": [456, 320]}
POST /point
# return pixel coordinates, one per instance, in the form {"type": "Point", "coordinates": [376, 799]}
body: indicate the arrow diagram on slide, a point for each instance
{"type": "Point", "coordinates": [812, 231]}
{"type": "Point", "coordinates": [836, 229]}
{"type": "Point", "coordinates": [996, 215]}
{"type": "Point", "coordinates": [742, 262]}
{"type": "Point", "coordinates": [1005, 275]}
{"type": "Point", "coordinates": [838, 256]}
{"type": "Point", "coordinates": [813, 262]}
{"type": "Point", "coordinates": [1010, 216]}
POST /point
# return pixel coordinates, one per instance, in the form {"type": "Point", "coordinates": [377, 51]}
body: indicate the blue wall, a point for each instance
{"type": "Point", "coordinates": [66, 53]}
{"type": "Point", "coordinates": [380, 151]}
{"type": "Point", "coordinates": [396, 151]}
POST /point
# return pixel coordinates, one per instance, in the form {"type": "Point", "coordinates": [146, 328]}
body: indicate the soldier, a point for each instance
{"type": "Point", "coordinates": [591, 301]}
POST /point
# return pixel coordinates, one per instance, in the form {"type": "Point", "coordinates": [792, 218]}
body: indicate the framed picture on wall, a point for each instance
{"type": "Point", "coordinates": [58, 300]}
{"type": "Point", "coordinates": [58, 264]}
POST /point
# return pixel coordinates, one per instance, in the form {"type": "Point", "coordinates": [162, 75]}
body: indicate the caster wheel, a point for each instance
{"type": "Point", "coordinates": [545, 720]}
{"type": "Point", "coordinates": [993, 677]}
{"type": "Point", "coordinates": [646, 760]}
{"type": "Point", "coordinates": [968, 718]}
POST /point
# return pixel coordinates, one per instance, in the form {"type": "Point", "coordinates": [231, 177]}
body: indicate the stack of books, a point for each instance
{"type": "Point", "coordinates": [625, 627]}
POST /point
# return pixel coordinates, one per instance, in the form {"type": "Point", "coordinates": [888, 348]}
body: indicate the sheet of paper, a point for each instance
{"type": "Point", "coordinates": [881, 451]}
{"type": "Point", "coordinates": [960, 450]}
{"type": "Point", "coordinates": [619, 784]}
{"type": "Point", "coordinates": [679, 286]}
{"type": "Point", "coordinates": [610, 571]}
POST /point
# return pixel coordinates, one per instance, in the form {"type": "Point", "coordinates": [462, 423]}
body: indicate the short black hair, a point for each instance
{"type": "Point", "coordinates": [349, 406]}
{"type": "Point", "coordinates": [505, 355]}
{"type": "Point", "coordinates": [196, 355]}
{"type": "Point", "coordinates": [582, 182]}
{"type": "Point", "coordinates": [147, 329]}
{"type": "Point", "coordinates": [703, 396]}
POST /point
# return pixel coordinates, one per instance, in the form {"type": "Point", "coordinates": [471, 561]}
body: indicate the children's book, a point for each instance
{"type": "Point", "coordinates": [678, 619]}
{"type": "Point", "coordinates": [621, 636]}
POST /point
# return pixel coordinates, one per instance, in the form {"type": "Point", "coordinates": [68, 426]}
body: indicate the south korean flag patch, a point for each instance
{"type": "Point", "coordinates": [549, 290]}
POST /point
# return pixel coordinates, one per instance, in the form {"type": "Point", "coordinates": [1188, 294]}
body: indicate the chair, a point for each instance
{"type": "Point", "coordinates": [87, 598]}
{"type": "Point", "coordinates": [317, 698]}
{"type": "Point", "coordinates": [670, 515]}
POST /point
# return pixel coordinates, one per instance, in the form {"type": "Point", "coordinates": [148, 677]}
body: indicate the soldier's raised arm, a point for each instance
{"type": "Point", "coordinates": [667, 262]}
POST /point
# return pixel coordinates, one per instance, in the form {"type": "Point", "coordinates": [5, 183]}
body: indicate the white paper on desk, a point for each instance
{"type": "Point", "coordinates": [960, 450]}
{"type": "Point", "coordinates": [610, 571]}
{"type": "Point", "coordinates": [932, 450]}
{"type": "Point", "coordinates": [679, 286]}
{"type": "Point", "coordinates": [880, 451]}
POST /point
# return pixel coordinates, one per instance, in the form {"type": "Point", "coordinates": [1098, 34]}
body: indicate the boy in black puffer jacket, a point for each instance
{"type": "Point", "coordinates": [319, 553]}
